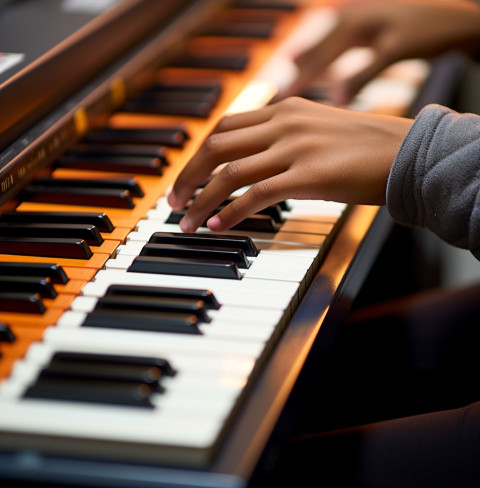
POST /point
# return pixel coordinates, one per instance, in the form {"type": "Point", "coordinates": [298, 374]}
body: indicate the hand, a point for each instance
{"type": "Point", "coordinates": [396, 30]}
{"type": "Point", "coordinates": [291, 149]}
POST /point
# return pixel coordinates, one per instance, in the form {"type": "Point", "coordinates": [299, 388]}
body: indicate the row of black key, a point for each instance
{"type": "Point", "coordinates": [52, 234]}
{"type": "Point", "coordinates": [101, 378]}
{"type": "Point", "coordinates": [24, 285]}
{"type": "Point", "coordinates": [213, 256]}
{"type": "Point", "coordinates": [148, 308]}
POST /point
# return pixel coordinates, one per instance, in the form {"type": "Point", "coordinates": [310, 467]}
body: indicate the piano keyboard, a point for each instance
{"type": "Point", "coordinates": [126, 339]}
{"type": "Point", "coordinates": [213, 354]}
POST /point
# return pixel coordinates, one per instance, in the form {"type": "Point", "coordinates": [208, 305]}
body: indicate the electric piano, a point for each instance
{"type": "Point", "coordinates": [132, 354]}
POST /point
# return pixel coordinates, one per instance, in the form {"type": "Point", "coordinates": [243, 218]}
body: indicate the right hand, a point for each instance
{"type": "Point", "coordinates": [291, 149]}
{"type": "Point", "coordinates": [396, 30]}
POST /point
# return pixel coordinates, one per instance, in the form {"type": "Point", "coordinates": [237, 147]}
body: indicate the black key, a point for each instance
{"type": "Point", "coordinates": [183, 108]}
{"type": "Point", "coordinates": [237, 62]}
{"type": "Point", "coordinates": [173, 137]}
{"type": "Point", "coordinates": [100, 220]}
{"type": "Point", "coordinates": [101, 197]}
{"type": "Point", "coordinates": [145, 150]}
{"type": "Point", "coordinates": [6, 334]}
{"type": "Point", "coordinates": [27, 284]}
{"type": "Point", "coordinates": [106, 372]}
{"type": "Point", "coordinates": [262, 5]}
{"type": "Point", "coordinates": [274, 211]}
{"type": "Point", "coordinates": [129, 184]}
{"type": "Point", "coordinates": [21, 303]}
{"type": "Point", "coordinates": [112, 162]}
{"type": "Point", "coordinates": [254, 29]}
{"type": "Point", "coordinates": [185, 267]}
{"type": "Point", "coordinates": [181, 93]}
{"type": "Point", "coordinates": [196, 86]}
{"type": "Point", "coordinates": [39, 246]}
{"type": "Point", "coordinates": [284, 205]}
{"type": "Point", "coordinates": [80, 231]}
{"type": "Point", "coordinates": [257, 223]}
{"type": "Point", "coordinates": [176, 216]}
{"type": "Point", "coordinates": [91, 391]}
{"type": "Point", "coordinates": [207, 240]}
{"type": "Point", "coordinates": [52, 271]}
{"type": "Point", "coordinates": [147, 321]}
{"type": "Point", "coordinates": [154, 304]}
{"type": "Point", "coordinates": [152, 362]}
{"type": "Point", "coordinates": [198, 253]}
{"type": "Point", "coordinates": [206, 296]}
{"type": "Point", "coordinates": [254, 223]}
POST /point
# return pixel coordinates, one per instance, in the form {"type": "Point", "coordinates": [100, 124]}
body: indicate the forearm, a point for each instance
{"type": "Point", "coordinates": [435, 180]}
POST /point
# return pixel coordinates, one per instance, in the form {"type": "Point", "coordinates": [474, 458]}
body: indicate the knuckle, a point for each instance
{"type": "Point", "coordinates": [234, 207]}
{"type": "Point", "coordinates": [232, 171]}
{"type": "Point", "coordinates": [290, 125]}
{"type": "Point", "coordinates": [262, 190]}
{"type": "Point", "coordinates": [212, 144]}
{"type": "Point", "coordinates": [292, 103]}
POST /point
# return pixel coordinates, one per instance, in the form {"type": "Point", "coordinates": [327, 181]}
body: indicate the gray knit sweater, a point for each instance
{"type": "Point", "coordinates": [435, 179]}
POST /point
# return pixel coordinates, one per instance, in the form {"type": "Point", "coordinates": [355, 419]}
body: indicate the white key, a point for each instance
{"type": "Point", "coordinates": [111, 277]}
{"type": "Point", "coordinates": [119, 424]}
{"type": "Point", "coordinates": [269, 300]}
{"type": "Point", "coordinates": [150, 343]}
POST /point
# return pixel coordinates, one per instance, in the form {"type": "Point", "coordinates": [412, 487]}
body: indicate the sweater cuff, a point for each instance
{"type": "Point", "coordinates": [404, 200]}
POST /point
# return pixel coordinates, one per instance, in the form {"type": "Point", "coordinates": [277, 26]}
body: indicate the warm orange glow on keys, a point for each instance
{"type": "Point", "coordinates": [73, 287]}
{"type": "Point", "coordinates": [28, 331]}
{"type": "Point", "coordinates": [62, 301]}
{"type": "Point", "coordinates": [50, 317]}
{"type": "Point", "coordinates": [97, 261]}
{"type": "Point", "coordinates": [75, 273]}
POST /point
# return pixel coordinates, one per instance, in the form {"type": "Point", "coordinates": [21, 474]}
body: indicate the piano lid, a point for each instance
{"type": "Point", "coordinates": [50, 48]}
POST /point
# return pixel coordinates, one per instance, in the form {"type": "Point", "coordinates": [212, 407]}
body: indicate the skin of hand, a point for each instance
{"type": "Point", "coordinates": [291, 149]}
{"type": "Point", "coordinates": [395, 30]}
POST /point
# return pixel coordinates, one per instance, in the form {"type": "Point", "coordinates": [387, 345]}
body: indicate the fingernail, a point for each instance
{"type": "Point", "coordinates": [214, 223]}
{"type": "Point", "coordinates": [185, 226]}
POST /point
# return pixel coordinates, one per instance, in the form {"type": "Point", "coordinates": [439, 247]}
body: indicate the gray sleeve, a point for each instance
{"type": "Point", "coordinates": [435, 179]}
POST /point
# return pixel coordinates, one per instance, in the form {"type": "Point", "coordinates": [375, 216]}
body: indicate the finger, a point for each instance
{"type": "Point", "coordinates": [244, 119]}
{"type": "Point", "coordinates": [218, 148]}
{"type": "Point", "coordinates": [343, 92]}
{"type": "Point", "coordinates": [313, 62]}
{"type": "Point", "coordinates": [235, 175]}
{"type": "Point", "coordinates": [259, 196]}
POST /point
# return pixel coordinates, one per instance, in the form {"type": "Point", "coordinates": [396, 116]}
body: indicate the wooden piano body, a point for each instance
{"type": "Point", "coordinates": [108, 60]}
